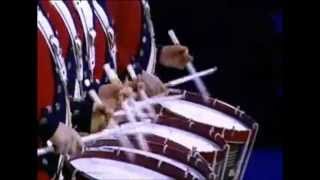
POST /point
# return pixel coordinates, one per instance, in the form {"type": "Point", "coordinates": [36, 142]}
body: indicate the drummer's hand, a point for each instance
{"type": "Point", "coordinates": [101, 115]}
{"type": "Point", "coordinates": [152, 84]}
{"type": "Point", "coordinates": [67, 140]}
{"type": "Point", "coordinates": [175, 56]}
{"type": "Point", "coordinates": [111, 95]}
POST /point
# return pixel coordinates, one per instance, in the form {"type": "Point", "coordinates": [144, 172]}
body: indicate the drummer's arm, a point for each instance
{"type": "Point", "coordinates": [81, 114]}
{"type": "Point", "coordinates": [86, 116]}
{"type": "Point", "coordinates": [47, 127]}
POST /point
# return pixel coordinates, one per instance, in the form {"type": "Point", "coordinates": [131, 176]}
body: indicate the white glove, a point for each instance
{"type": "Point", "coordinates": [67, 140]}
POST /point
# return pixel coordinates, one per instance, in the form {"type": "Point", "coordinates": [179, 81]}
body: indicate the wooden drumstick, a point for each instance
{"type": "Point", "coordinates": [123, 139]}
{"type": "Point", "coordinates": [112, 75]}
{"type": "Point", "coordinates": [103, 133]}
{"type": "Point", "coordinates": [131, 72]}
{"type": "Point", "coordinates": [190, 77]}
{"type": "Point", "coordinates": [142, 92]}
{"type": "Point", "coordinates": [85, 139]}
{"type": "Point", "coordinates": [198, 82]}
{"type": "Point", "coordinates": [114, 79]}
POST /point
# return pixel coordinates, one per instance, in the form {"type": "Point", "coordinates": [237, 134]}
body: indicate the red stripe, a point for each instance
{"type": "Point", "coordinates": [76, 19]}
{"type": "Point", "coordinates": [45, 78]}
{"type": "Point", "coordinates": [58, 25]}
{"type": "Point", "coordinates": [101, 50]}
{"type": "Point", "coordinates": [128, 25]}
{"type": "Point", "coordinates": [42, 175]}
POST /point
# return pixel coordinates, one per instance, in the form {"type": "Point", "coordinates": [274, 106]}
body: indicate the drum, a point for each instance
{"type": "Point", "coordinates": [210, 118]}
{"type": "Point", "coordinates": [189, 143]}
{"type": "Point", "coordinates": [107, 159]}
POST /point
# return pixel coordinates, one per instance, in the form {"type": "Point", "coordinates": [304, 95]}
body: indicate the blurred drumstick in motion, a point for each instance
{"type": "Point", "coordinates": [86, 139]}
{"type": "Point", "coordinates": [198, 82]}
{"type": "Point", "coordinates": [141, 91]}
{"type": "Point", "coordinates": [150, 101]}
{"type": "Point", "coordinates": [190, 77]}
{"type": "Point", "coordinates": [115, 79]}
{"type": "Point", "coordinates": [124, 140]}
{"type": "Point", "coordinates": [111, 74]}
{"type": "Point", "coordinates": [141, 140]}
{"type": "Point", "coordinates": [105, 132]}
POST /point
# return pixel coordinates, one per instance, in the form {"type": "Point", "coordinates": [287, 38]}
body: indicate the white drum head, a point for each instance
{"type": "Point", "coordinates": [100, 168]}
{"type": "Point", "coordinates": [203, 114]}
{"type": "Point", "coordinates": [179, 136]}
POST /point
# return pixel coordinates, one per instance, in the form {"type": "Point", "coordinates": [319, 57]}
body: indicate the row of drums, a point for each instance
{"type": "Point", "coordinates": [189, 139]}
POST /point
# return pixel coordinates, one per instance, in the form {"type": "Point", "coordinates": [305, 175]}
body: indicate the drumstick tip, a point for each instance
{"type": "Point", "coordinates": [87, 83]}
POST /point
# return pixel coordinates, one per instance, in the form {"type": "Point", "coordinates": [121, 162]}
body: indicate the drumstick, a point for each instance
{"type": "Point", "coordinates": [142, 92]}
{"type": "Point", "coordinates": [190, 77]}
{"type": "Point", "coordinates": [92, 137]}
{"type": "Point", "coordinates": [111, 74]}
{"type": "Point", "coordinates": [198, 82]}
{"type": "Point", "coordinates": [123, 139]}
{"type": "Point", "coordinates": [141, 140]}
{"type": "Point", "coordinates": [131, 72]}
{"type": "Point", "coordinates": [85, 139]}
{"type": "Point", "coordinates": [151, 101]}
{"type": "Point", "coordinates": [114, 77]}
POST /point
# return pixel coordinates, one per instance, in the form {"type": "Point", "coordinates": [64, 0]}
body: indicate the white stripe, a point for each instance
{"type": "Point", "coordinates": [66, 16]}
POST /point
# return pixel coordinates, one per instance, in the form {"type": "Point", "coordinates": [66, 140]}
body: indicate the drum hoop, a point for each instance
{"type": "Point", "coordinates": [103, 20]}
{"type": "Point", "coordinates": [86, 15]}
{"type": "Point", "coordinates": [152, 57]}
{"type": "Point", "coordinates": [60, 69]}
{"type": "Point", "coordinates": [66, 16]}
{"type": "Point", "coordinates": [175, 171]}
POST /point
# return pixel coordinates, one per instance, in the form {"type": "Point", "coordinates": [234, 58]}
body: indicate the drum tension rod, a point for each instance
{"type": "Point", "coordinates": [233, 131]}
{"type": "Point", "coordinates": [190, 123]}
{"type": "Point", "coordinates": [192, 154]}
{"type": "Point", "coordinates": [197, 161]}
{"type": "Point", "coordinates": [165, 141]}
{"type": "Point", "coordinates": [74, 173]}
{"type": "Point", "coordinates": [186, 173]}
{"type": "Point", "coordinates": [164, 149]}
{"type": "Point", "coordinates": [211, 131]}
{"type": "Point", "coordinates": [214, 102]}
{"type": "Point", "coordinates": [212, 175]}
{"type": "Point", "coordinates": [159, 164]}
{"type": "Point", "coordinates": [236, 110]}
{"type": "Point", "coordinates": [118, 151]}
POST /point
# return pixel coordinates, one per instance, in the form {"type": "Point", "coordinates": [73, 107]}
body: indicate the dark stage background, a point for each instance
{"type": "Point", "coordinates": [244, 39]}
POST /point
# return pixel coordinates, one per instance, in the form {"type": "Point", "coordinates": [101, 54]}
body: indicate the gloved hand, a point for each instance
{"type": "Point", "coordinates": [175, 56]}
{"type": "Point", "coordinates": [152, 84]}
{"type": "Point", "coordinates": [111, 95]}
{"type": "Point", "coordinates": [67, 140]}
